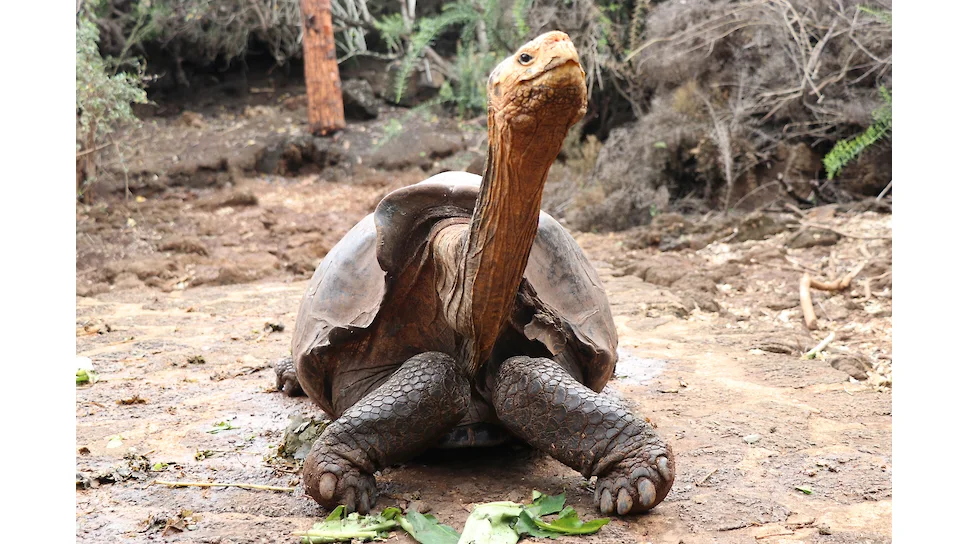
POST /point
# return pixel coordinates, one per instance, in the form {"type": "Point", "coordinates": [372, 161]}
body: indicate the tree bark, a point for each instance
{"type": "Point", "coordinates": [323, 90]}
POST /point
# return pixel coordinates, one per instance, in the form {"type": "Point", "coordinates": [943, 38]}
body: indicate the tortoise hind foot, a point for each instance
{"type": "Point", "coordinates": [286, 378]}
{"type": "Point", "coordinates": [544, 405]}
{"type": "Point", "coordinates": [405, 416]}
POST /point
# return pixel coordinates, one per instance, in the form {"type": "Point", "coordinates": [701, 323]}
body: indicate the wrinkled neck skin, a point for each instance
{"type": "Point", "coordinates": [480, 266]}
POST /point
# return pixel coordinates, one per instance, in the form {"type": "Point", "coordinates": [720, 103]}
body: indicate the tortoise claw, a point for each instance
{"type": "Point", "coordinates": [646, 493]}
{"type": "Point", "coordinates": [605, 505]}
{"type": "Point", "coordinates": [624, 504]}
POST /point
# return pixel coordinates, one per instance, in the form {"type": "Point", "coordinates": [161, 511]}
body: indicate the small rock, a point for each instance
{"type": "Point", "coordinates": [824, 529]}
{"type": "Point", "coordinates": [752, 438]}
{"type": "Point", "coordinates": [418, 506]}
{"type": "Point", "coordinates": [701, 300]}
{"type": "Point", "coordinates": [855, 366]}
{"type": "Point", "coordinates": [759, 226]}
{"type": "Point", "coordinates": [238, 198]}
{"type": "Point", "coordinates": [191, 119]}
{"type": "Point", "coordinates": [96, 326]}
{"type": "Point", "coordinates": [294, 103]}
{"type": "Point", "coordinates": [800, 519]}
{"type": "Point", "coordinates": [658, 274]}
{"type": "Point", "coordinates": [782, 303]}
{"type": "Point", "coordinates": [835, 309]}
{"type": "Point", "coordinates": [776, 346]}
{"type": "Point", "coordinates": [359, 102]}
{"type": "Point", "coordinates": [669, 387]}
{"type": "Point", "coordinates": [252, 112]}
{"type": "Point", "coordinates": [811, 237]}
{"type": "Point", "coordinates": [185, 244]}
{"type": "Point", "coordinates": [273, 327]}
{"type": "Point", "coordinates": [196, 360]}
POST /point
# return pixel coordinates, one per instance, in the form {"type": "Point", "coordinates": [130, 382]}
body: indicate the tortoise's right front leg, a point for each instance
{"type": "Point", "coordinates": [406, 415]}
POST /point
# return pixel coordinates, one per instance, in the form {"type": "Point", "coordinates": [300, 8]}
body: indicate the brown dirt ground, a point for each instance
{"type": "Point", "coordinates": [711, 335]}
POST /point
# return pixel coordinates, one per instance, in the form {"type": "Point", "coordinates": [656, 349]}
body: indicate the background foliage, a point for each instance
{"type": "Point", "coordinates": [691, 103]}
{"type": "Point", "coordinates": [104, 94]}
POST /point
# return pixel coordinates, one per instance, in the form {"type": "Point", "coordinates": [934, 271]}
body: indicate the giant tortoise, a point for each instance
{"type": "Point", "coordinates": [459, 314]}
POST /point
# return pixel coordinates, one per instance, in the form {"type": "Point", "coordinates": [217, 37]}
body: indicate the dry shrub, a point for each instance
{"type": "Point", "coordinates": [718, 87]}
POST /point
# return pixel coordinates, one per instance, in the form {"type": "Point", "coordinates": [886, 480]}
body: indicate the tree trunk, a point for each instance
{"type": "Point", "coordinates": [323, 93]}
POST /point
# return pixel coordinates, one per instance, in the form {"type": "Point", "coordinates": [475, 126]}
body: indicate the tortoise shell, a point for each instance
{"type": "Point", "coordinates": [372, 303]}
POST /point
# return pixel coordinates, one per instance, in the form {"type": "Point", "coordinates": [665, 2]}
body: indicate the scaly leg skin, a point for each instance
{"type": "Point", "coordinates": [406, 415]}
{"type": "Point", "coordinates": [286, 377]}
{"type": "Point", "coordinates": [541, 403]}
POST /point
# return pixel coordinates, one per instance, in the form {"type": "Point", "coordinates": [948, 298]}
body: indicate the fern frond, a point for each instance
{"type": "Point", "coordinates": [392, 29]}
{"type": "Point", "coordinates": [428, 30]}
{"type": "Point", "coordinates": [845, 151]}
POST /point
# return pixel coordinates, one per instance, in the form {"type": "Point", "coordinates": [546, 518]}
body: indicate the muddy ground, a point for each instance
{"type": "Point", "coordinates": [187, 295]}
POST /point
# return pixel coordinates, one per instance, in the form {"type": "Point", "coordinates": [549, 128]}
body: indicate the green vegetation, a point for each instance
{"type": "Point", "coordinates": [484, 38]}
{"type": "Point", "coordinates": [845, 151]}
{"type": "Point", "coordinates": [502, 522]}
{"type": "Point", "coordinates": [104, 95]}
{"type": "Point", "coordinates": [469, 91]}
{"type": "Point", "coordinates": [688, 99]}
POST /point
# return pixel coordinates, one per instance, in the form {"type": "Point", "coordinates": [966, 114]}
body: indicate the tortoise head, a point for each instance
{"type": "Point", "coordinates": [542, 85]}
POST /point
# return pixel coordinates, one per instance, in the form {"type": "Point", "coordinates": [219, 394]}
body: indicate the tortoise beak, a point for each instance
{"type": "Point", "coordinates": [562, 65]}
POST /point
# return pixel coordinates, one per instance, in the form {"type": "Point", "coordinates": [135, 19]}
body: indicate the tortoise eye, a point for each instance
{"type": "Point", "coordinates": [525, 58]}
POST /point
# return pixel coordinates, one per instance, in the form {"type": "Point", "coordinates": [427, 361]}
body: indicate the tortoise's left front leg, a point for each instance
{"type": "Point", "coordinates": [542, 404]}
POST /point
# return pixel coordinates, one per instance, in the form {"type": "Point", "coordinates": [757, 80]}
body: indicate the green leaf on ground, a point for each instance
{"type": "Point", "coordinates": [542, 505]}
{"type": "Point", "coordinates": [425, 529]}
{"type": "Point", "coordinates": [527, 526]}
{"type": "Point", "coordinates": [502, 522]}
{"type": "Point", "coordinates": [568, 523]}
{"type": "Point", "coordinates": [492, 523]}
{"type": "Point", "coordinates": [805, 489]}
{"type": "Point", "coordinates": [221, 426]}
{"type": "Point", "coordinates": [338, 528]}
{"type": "Point", "coordinates": [85, 376]}
{"type": "Point", "coordinates": [337, 513]}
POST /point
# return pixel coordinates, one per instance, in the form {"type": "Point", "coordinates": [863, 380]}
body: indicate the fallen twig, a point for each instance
{"type": "Point", "coordinates": [795, 209]}
{"type": "Point", "coordinates": [806, 282]}
{"type": "Point", "coordinates": [771, 535]}
{"type": "Point", "coordinates": [225, 484]}
{"type": "Point", "coordinates": [886, 189]}
{"type": "Point", "coordinates": [842, 233]}
{"type": "Point", "coordinates": [802, 266]}
{"type": "Point", "coordinates": [867, 289]}
{"type": "Point", "coordinates": [706, 477]}
{"type": "Point", "coordinates": [806, 304]}
{"type": "Point", "coordinates": [840, 284]}
{"type": "Point", "coordinates": [812, 354]}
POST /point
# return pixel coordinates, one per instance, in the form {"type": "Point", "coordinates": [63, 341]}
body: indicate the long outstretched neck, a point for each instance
{"type": "Point", "coordinates": [494, 250]}
{"type": "Point", "coordinates": [534, 96]}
